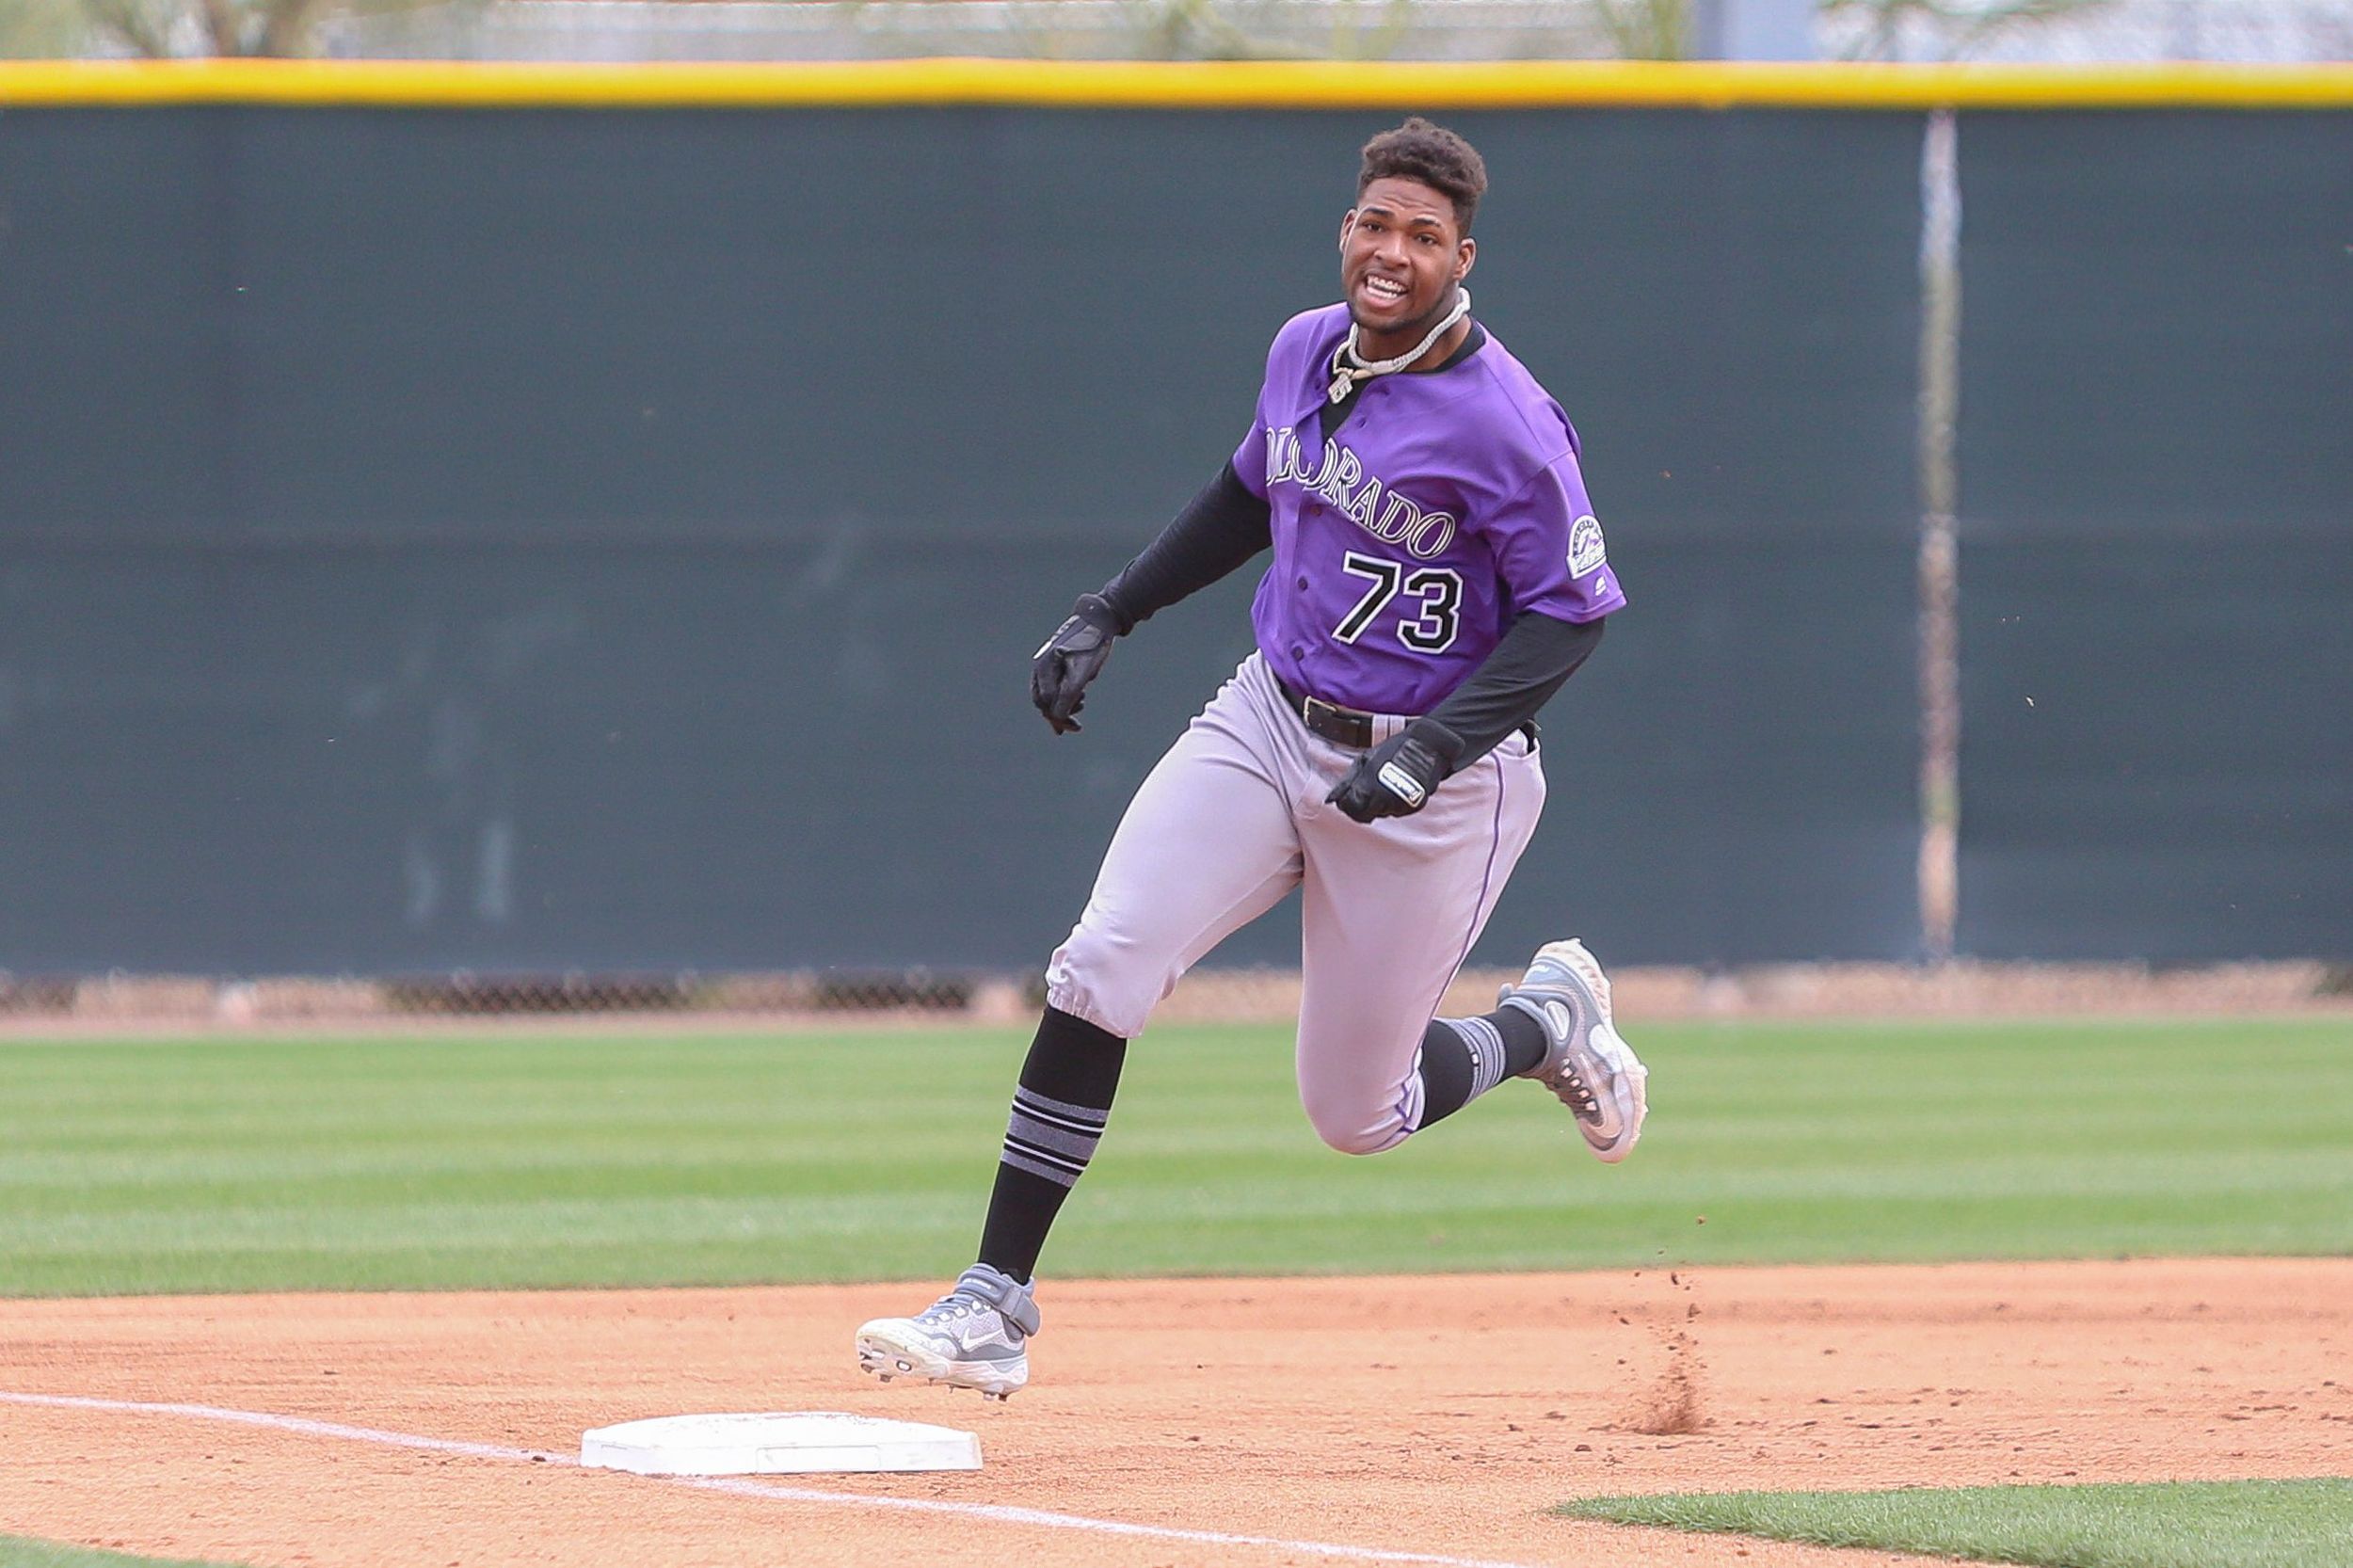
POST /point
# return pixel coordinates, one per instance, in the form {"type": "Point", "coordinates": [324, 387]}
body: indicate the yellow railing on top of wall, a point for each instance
{"type": "Point", "coordinates": [1149, 84]}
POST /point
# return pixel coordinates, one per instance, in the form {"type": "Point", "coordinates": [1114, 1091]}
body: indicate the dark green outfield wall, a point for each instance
{"type": "Point", "coordinates": [2156, 459]}
{"type": "Point", "coordinates": [554, 539]}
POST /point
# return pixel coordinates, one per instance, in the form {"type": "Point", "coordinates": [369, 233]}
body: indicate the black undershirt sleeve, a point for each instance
{"type": "Point", "coordinates": [1536, 656]}
{"type": "Point", "coordinates": [1219, 530]}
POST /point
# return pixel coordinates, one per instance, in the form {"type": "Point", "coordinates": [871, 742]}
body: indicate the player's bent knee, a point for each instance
{"type": "Point", "coordinates": [1351, 1111]}
{"type": "Point", "coordinates": [1360, 1134]}
{"type": "Point", "coordinates": [1096, 977]}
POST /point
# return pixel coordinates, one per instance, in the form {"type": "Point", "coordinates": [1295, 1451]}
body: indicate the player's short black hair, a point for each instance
{"type": "Point", "coordinates": [1433, 155]}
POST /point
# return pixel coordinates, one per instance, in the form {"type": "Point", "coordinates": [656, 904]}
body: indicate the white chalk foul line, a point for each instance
{"type": "Point", "coordinates": [994, 1513]}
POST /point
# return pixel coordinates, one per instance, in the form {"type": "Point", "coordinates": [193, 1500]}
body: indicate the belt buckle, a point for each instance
{"type": "Point", "coordinates": [1337, 721]}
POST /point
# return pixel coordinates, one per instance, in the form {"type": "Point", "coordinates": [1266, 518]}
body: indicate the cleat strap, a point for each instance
{"type": "Point", "coordinates": [1011, 1298]}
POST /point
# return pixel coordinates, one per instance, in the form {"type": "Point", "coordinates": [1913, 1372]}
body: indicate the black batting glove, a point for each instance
{"type": "Point", "coordinates": [1071, 658]}
{"type": "Point", "coordinates": [1397, 777]}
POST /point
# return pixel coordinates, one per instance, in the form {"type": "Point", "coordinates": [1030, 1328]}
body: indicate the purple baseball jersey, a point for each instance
{"type": "Point", "coordinates": [1447, 502]}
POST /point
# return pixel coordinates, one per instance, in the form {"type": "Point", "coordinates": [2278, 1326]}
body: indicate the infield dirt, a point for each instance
{"type": "Point", "coordinates": [1429, 1415]}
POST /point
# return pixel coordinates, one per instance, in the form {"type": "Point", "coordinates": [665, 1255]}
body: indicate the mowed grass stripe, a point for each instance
{"type": "Point", "coordinates": [225, 1165]}
{"type": "Point", "coordinates": [2260, 1524]}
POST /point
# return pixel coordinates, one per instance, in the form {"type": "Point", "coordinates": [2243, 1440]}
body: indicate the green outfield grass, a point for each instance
{"type": "Point", "coordinates": [2254, 1523]}
{"type": "Point", "coordinates": [18, 1552]}
{"type": "Point", "coordinates": [220, 1165]}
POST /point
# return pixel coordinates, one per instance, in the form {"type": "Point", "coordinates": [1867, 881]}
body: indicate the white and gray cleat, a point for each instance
{"type": "Point", "coordinates": [1589, 1065]}
{"type": "Point", "coordinates": [974, 1337]}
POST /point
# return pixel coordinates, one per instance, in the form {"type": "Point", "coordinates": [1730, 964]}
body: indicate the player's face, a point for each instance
{"type": "Point", "coordinates": [1402, 254]}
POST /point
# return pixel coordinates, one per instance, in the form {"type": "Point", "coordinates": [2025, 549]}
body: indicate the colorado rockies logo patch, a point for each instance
{"type": "Point", "coordinates": [1586, 549]}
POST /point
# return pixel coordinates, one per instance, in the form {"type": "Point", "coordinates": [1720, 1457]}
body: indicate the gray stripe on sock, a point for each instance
{"type": "Point", "coordinates": [1054, 1174]}
{"type": "Point", "coordinates": [1492, 1057]}
{"type": "Point", "coordinates": [1092, 1116]}
{"type": "Point", "coordinates": [1073, 1163]}
{"type": "Point", "coordinates": [1078, 1129]}
{"type": "Point", "coordinates": [1485, 1044]}
{"type": "Point", "coordinates": [1078, 1145]}
{"type": "Point", "coordinates": [1051, 1138]}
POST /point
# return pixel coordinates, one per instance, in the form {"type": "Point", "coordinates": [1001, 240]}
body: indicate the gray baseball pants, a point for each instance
{"type": "Point", "coordinates": [1233, 818]}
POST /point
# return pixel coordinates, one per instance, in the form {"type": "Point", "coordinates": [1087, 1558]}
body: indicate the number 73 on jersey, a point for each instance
{"type": "Point", "coordinates": [1430, 620]}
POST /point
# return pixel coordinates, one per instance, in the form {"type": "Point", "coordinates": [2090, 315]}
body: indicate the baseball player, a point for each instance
{"type": "Point", "coordinates": [1437, 574]}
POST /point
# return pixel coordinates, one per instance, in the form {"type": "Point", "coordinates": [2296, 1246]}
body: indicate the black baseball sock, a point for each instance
{"type": "Point", "coordinates": [1058, 1115]}
{"type": "Point", "coordinates": [1463, 1057]}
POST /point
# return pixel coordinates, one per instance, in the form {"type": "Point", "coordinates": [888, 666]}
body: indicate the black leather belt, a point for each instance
{"type": "Point", "coordinates": [1346, 727]}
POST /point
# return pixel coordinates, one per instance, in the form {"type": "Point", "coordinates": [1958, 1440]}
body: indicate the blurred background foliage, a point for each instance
{"type": "Point", "coordinates": [618, 30]}
{"type": "Point", "coordinates": [160, 29]}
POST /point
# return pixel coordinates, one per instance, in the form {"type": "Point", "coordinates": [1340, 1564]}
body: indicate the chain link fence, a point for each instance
{"type": "Point", "coordinates": [70, 1004]}
{"type": "Point", "coordinates": [650, 998]}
